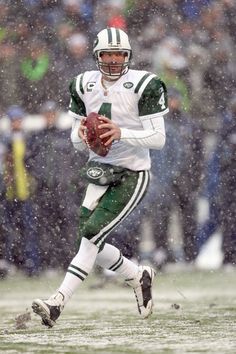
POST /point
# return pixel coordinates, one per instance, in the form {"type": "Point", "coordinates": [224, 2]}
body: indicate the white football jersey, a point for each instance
{"type": "Point", "coordinates": [133, 102]}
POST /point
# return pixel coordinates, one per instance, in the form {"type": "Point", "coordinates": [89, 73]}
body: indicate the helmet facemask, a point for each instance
{"type": "Point", "coordinates": [107, 69]}
{"type": "Point", "coordinates": [108, 40]}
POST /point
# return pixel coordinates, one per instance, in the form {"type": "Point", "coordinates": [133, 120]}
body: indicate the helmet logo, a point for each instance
{"type": "Point", "coordinates": [128, 85]}
{"type": "Point", "coordinates": [95, 42]}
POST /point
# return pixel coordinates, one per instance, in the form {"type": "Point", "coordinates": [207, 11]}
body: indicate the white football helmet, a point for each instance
{"type": "Point", "coordinates": [112, 39]}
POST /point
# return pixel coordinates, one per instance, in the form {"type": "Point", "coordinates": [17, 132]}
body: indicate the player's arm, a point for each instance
{"type": "Point", "coordinates": [77, 133]}
{"type": "Point", "coordinates": [78, 112]}
{"type": "Point", "coordinates": [152, 136]}
{"type": "Point", "coordinates": [152, 106]}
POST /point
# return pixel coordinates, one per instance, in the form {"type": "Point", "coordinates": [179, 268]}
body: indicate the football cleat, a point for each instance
{"type": "Point", "coordinates": [142, 285]}
{"type": "Point", "coordinates": [49, 310]}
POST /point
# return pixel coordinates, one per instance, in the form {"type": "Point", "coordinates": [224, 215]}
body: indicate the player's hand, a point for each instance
{"type": "Point", "coordinates": [82, 129]}
{"type": "Point", "coordinates": [114, 130]}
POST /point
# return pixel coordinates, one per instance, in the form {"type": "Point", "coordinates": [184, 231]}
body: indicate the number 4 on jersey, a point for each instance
{"type": "Point", "coordinates": [161, 101]}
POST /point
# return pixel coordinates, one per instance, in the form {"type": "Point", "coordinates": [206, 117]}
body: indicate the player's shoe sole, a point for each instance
{"type": "Point", "coordinates": [48, 313]}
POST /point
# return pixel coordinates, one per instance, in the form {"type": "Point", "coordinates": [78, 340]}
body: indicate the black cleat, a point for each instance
{"type": "Point", "coordinates": [49, 310]}
{"type": "Point", "coordinates": [142, 286]}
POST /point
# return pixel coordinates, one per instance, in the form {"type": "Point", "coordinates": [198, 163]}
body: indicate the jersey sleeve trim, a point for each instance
{"type": "Point", "coordinates": [155, 115]}
{"type": "Point", "coordinates": [145, 83]}
{"type": "Point", "coordinates": [79, 84]}
{"type": "Point", "coordinates": [141, 82]}
{"type": "Point", "coordinates": [76, 106]}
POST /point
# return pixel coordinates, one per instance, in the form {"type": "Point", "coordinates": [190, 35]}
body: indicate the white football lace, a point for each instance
{"type": "Point", "coordinates": [86, 138]}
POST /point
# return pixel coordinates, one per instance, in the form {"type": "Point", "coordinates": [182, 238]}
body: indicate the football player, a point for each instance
{"type": "Point", "coordinates": [132, 104]}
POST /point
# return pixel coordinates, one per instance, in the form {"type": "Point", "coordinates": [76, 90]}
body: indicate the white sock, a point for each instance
{"type": "Point", "coordinates": [79, 268]}
{"type": "Point", "coordinates": [111, 258]}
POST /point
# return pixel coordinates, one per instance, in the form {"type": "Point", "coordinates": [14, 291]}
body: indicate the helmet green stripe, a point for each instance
{"type": "Point", "coordinates": [109, 34]}
{"type": "Point", "coordinates": [117, 36]}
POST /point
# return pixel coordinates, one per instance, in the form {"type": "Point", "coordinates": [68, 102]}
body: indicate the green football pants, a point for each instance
{"type": "Point", "coordinates": [115, 205]}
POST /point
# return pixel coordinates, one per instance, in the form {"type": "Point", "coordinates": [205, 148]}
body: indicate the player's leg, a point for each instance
{"type": "Point", "coordinates": [140, 278]}
{"type": "Point", "coordinates": [80, 266]}
{"type": "Point", "coordinates": [99, 216]}
{"type": "Point", "coordinates": [109, 257]}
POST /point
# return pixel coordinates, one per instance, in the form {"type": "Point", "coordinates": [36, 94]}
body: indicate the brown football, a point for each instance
{"type": "Point", "coordinates": [92, 133]}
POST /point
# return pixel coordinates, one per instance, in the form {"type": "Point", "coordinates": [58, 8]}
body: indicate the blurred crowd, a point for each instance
{"type": "Point", "coordinates": [190, 44]}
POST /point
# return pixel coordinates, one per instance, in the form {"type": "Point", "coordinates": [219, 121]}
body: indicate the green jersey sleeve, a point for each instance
{"type": "Point", "coordinates": [76, 104]}
{"type": "Point", "coordinates": [153, 98]}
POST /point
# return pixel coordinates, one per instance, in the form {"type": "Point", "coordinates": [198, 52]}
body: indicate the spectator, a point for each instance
{"type": "Point", "coordinates": [211, 194]}
{"type": "Point", "coordinates": [176, 178]}
{"type": "Point", "coordinates": [76, 52]}
{"type": "Point", "coordinates": [19, 227]}
{"type": "Point", "coordinates": [4, 267]}
{"type": "Point", "coordinates": [192, 9]}
{"type": "Point", "coordinates": [220, 69]}
{"type": "Point", "coordinates": [55, 167]}
{"type": "Point", "coordinates": [229, 8]}
{"type": "Point", "coordinates": [38, 79]}
{"type": "Point", "coordinates": [116, 17]}
{"type": "Point", "coordinates": [227, 185]}
{"type": "Point", "coordinates": [171, 64]}
{"type": "Point", "coordinates": [79, 13]}
{"type": "Point", "coordinates": [9, 75]}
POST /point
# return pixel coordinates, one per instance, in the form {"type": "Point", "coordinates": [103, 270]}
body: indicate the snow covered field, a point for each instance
{"type": "Point", "coordinates": [195, 312]}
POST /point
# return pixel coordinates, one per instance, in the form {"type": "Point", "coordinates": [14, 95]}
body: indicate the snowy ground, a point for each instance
{"type": "Point", "coordinates": [195, 312]}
